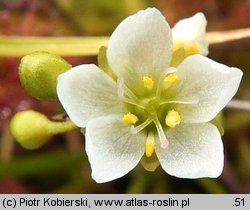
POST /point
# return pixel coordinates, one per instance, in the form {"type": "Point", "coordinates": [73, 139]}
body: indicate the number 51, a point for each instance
{"type": "Point", "coordinates": [239, 202]}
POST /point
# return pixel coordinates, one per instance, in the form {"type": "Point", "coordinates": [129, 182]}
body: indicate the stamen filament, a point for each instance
{"type": "Point", "coordinates": [192, 100]}
{"type": "Point", "coordinates": [129, 101]}
{"type": "Point", "coordinates": [124, 90]}
{"type": "Point", "coordinates": [161, 134]}
{"type": "Point", "coordinates": [137, 129]}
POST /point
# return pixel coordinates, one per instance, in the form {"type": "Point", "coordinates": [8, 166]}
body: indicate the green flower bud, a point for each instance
{"type": "Point", "coordinates": [38, 73]}
{"type": "Point", "coordinates": [33, 129]}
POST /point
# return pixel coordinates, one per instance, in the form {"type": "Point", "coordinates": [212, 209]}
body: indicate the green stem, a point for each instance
{"type": "Point", "coordinates": [83, 46]}
{"type": "Point", "coordinates": [64, 46]}
{"type": "Point", "coordinates": [239, 104]}
{"type": "Point", "coordinates": [6, 144]}
{"type": "Point", "coordinates": [60, 127]}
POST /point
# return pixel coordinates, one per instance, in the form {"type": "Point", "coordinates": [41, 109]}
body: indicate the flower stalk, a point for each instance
{"type": "Point", "coordinates": [217, 37]}
{"type": "Point", "coordinates": [65, 46]}
{"type": "Point", "coordinates": [83, 46]}
{"type": "Point", "coordinates": [239, 104]}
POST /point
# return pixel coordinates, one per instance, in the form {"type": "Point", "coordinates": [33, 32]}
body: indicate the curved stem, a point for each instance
{"type": "Point", "coordinates": [76, 46]}
{"type": "Point", "coordinates": [238, 104]}
{"type": "Point", "coordinates": [65, 46]}
{"type": "Point", "coordinates": [217, 37]}
{"type": "Point", "coordinates": [60, 127]}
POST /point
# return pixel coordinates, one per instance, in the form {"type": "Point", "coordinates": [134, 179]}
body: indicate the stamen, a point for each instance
{"type": "Point", "coordinates": [150, 144]}
{"type": "Point", "coordinates": [171, 78]}
{"type": "Point", "coordinates": [148, 82]}
{"type": "Point", "coordinates": [168, 71]}
{"type": "Point", "coordinates": [129, 118]}
{"type": "Point", "coordinates": [191, 100]}
{"type": "Point", "coordinates": [124, 90]}
{"type": "Point", "coordinates": [135, 130]}
{"type": "Point", "coordinates": [161, 134]}
{"type": "Point", "coordinates": [172, 119]}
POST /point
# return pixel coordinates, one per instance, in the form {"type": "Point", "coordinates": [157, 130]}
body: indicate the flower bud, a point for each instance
{"type": "Point", "coordinates": [32, 129]}
{"type": "Point", "coordinates": [38, 73]}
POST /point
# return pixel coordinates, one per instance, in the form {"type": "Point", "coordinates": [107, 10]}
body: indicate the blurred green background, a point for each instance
{"type": "Point", "coordinates": [61, 165]}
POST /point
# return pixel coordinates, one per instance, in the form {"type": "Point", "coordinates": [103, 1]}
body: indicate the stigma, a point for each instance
{"type": "Point", "coordinates": [129, 118]}
{"type": "Point", "coordinates": [172, 119]}
{"type": "Point", "coordinates": [148, 82]}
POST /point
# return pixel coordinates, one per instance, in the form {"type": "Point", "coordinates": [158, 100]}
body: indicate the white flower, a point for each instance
{"type": "Point", "coordinates": [190, 34]}
{"type": "Point", "coordinates": [152, 108]}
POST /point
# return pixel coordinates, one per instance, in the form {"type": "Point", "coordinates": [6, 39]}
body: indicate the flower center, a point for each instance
{"type": "Point", "coordinates": [148, 111]}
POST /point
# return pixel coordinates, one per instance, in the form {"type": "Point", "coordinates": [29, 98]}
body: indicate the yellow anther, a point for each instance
{"type": "Point", "coordinates": [172, 119]}
{"type": "Point", "coordinates": [171, 78]}
{"type": "Point", "coordinates": [190, 47]}
{"type": "Point", "coordinates": [129, 118]}
{"type": "Point", "coordinates": [148, 82]}
{"type": "Point", "coordinates": [150, 145]}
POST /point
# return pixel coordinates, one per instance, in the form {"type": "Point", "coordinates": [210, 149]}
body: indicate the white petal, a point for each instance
{"type": "Point", "coordinates": [192, 30]}
{"type": "Point", "coordinates": [86, 92]}
{"type": "Point", "coordinates": [194, 151]}
{"type": "Point", "coordinates": [140, 46]}
{"type": "Point", "coordinates": [112, 150]}
{"type": "Point", "coordinates": [214, 84]}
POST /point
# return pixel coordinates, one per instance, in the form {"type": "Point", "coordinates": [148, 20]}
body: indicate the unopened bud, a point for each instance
{"type": "Point", "coordinates": [33, 129]}
{"type": "Point", "coordinates": [38, 73]}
